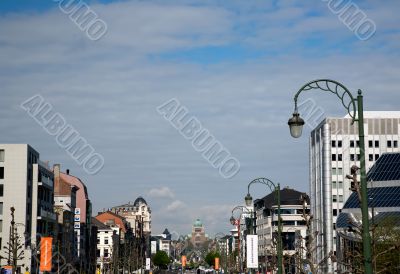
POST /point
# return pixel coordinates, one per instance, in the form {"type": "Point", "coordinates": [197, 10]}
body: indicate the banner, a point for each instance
{"type": "Point", "coordinates": [45, 253]}
{"type": "Point", "coordinates": [183, 260]}
{"type": "Point", "coordinates": [216, 263]}
{"type": "Point", "coordinates": [148, 262]}
{"type": "Point", "coordinates": [252, 251]}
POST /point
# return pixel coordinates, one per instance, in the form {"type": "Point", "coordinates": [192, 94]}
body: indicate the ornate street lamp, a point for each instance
{"type": "Point", "coordinates": [277, 190]}
{"type": "Point", "coordinates": [356, 113]}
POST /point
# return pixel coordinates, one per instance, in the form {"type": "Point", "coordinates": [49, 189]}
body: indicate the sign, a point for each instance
{"type": "Point", "coordinates": [252, 251]}
{"type": "Point", "coordinates": [183, 260]}
{"type": "Point", "coordinates": [153, 247]}
{"type": "Point", "coordinates": [77, 218]}
{"type": "Point", "coordinates": [77, 225]}
{"type": "Point", "coordinates": [216, 263]}
{"type": "Point", "coordinates": [45, 253]}
{"type": "Point", "coordinates": [147, 263]}
{"type": "Point", "coordinates": [77, 211]}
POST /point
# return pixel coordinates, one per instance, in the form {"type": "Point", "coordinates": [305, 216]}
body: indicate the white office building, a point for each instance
{"type": "Point", "coordinates": [334, 148]}
{"type": "Point", "coordinates": [27, 185]}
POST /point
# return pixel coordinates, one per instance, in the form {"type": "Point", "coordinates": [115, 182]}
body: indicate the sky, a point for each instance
{"type": "Point", "coordinates": [234, 65]}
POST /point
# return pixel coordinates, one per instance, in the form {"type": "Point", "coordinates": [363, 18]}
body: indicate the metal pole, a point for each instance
{"type": "Point", "coordinates": [366, 238]}
{"type": "Point", "coordinates": [278, 189]}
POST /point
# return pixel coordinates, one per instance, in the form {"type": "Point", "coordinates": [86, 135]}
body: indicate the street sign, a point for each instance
{"type": "Point", "coordinates": [147, 263]}
{"type": "Point", "coordinates": [252, 251]}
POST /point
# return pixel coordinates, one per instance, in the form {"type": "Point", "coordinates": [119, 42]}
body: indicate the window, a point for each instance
{"type": "Point", "coordinates": [333, 143]}
{"type": "Point", "coordinates": [98, 240]}
{"type": "Point", "coordinates": [1, 226]}
{"type": "Point", "coordinates": [333, 157]}
{"type": "Point", "coordinates": [358, 157]}
{"type": "Point", "coordinates": [370, 143]}
{"type": "Point", "coordinates": [371, 157]}
{"type": "Point", "coordinates": [395, 144]}
{"type": "Point", "coordinates": [340, 185]}
{"type": "Point", "coordinates": [301, 222]}
{"type": "Point", "coordinates": [339, 157]}
{"type": "Point", "coordinates": [106, 252]}
{"type": "Point", "coordinates": [1, 190]}
{"type": "Point", "coordinates": [106, 241]}
{"type": "Point", "coordinates": [358, 143]}
{"type": "Point", "coordinates": [1, 208]}
{"type": "Point", "coordinates": [1, 155]}
{"type": "Point", "coordinates": [335, 212]}
{"type": "Point", "coordinates": [334, 184]}
{"type": "Point", "coordinates": [334, 171]}
{"type": "Point", "coordinates": [376, 143]}
{"type": "Point", "coordinates": [376, 156]}
{"type": "Point", "coordinates": [334, 198]}
{"type": "Point", "coordinates": [340, 171]}
{"type": "Point", "coordinates": [1, 172]}
{"type": "Point", "coordinates": [351, 157]}
{"type": "Point", "coordinates": [97, 253]}
{"type": "Point", "coordinates": [389, 143]}
{"type": "Point", "coordinates": [351, 143]}
{"type": "Point", "coordinates": [340, 198]}
{"type": "Point", "coordinates": [339, 143]}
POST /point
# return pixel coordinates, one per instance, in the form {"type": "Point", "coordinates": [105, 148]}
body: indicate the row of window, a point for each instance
{"type": "Point", "coordinates": [337, 184]}
{"type": "Point", "coordinates": [106, 253]}
{"type": "Point", "coordinates": [275, 223]}
{"type": "Point", "coordinates": [371, 143]}
{"type": "Point", "coordinates": [1, 155]}
{"type": "Point", "coordinates": [105, 241]}
{"type": "Point", "coordinates": [337, 198]}
{"type": "Point", "coordinates": [354, 157]}
{"type": "Point", "coordinates": [291, 211]}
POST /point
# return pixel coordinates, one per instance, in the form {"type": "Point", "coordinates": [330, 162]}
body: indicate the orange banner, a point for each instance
{"type": "Point", "coordinates": [216, 263]}
{"type": "Point", "coordinates": [183, 260]}
{"type": "Point", "coordinates": [45, 253]}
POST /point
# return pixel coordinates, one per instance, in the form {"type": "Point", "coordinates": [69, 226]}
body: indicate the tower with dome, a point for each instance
{"type": "Point", "coordinates": [198, 234]}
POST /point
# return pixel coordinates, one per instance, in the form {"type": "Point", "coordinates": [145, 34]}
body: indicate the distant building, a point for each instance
{"type": "Point", "coordinates": [114, 221]}
{"type": "Point", "coordinates": [161, 242]}
{"type": "Point", "coordinates": [293, 226]}
{"type": "Point", "coordinates": [198, 237]}
{"type": "Point", "coordinates": [27, 184]}
{"type": "Point", "coordinates": [334, 148]}
{"type": "Point", "coordinates": [138, 214]}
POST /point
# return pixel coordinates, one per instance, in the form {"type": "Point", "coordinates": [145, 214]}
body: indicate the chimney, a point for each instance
{"type": "Point", "coordinates": [67, 171]}
{"type": "Point", "coordinates": [56, 171]}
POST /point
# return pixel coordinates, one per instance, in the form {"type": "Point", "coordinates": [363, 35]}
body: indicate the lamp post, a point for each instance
{"type": "Point", "coordinates": [277, 190]}
{"type": "Point", "coordinates": [356, 113]}
{"type": "Point", "coordinates": [233, 221]}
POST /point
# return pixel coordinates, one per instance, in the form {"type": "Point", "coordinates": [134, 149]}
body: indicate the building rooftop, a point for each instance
{"type": "Point", "coordinates": [139, 200]}
{"type": "Point", "coordinates": [197, 223]}
{"type": "Point", "coordinates": [288, 197]}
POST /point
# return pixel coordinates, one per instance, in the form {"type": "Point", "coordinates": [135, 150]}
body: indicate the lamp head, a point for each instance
{"type": "Point", "coordinates": [296, 124]}
{"type": "Point", "coordinates": [248, 199]}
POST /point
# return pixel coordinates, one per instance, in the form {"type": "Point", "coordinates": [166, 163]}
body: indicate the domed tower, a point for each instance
{"type": "Point", "coordinates": [198, 234]}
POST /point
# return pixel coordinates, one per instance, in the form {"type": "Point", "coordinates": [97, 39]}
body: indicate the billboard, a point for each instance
{"type": "Point", "coordinates": [252, 251]}
{"type": "Point", "coordinates": [45, 253]}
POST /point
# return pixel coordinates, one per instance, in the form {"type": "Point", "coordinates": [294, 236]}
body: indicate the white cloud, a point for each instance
{"type": "Point", "coordinates": [161, 192]}
{"type": "Point", "coordinates": [176, 206]}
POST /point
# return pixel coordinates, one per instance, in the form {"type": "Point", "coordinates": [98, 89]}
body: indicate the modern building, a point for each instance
{"type": "Point", "coordinates": [26, 184]}
{"type": "Point", "coordinates": [383, 205]}
{"type": "Point", "coordinates": [198, 237]}
{"type": "Point", "coordinates": [334, 149]}
{"type": "Point", "coordinates": [162, 242]}
{"type": "Point", "coordinates": [294, 229]}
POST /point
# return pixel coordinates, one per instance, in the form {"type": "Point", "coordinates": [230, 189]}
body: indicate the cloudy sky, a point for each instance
{"type": "Point", "coordinates": [234, 65]}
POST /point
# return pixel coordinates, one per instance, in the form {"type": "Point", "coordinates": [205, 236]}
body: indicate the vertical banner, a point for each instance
{"type": "Point", "coordinates": [147, 263]}
{"type": "Point", "coordinates": [252, 251]}
{"type": "Point", "coordinates": [45, 253]}
{"type": "Point", "coordinates": [216, 263]}
{"type": "Point", "coordinates": [183, 260]}
{"type": "Point", "coordinates": [153, 247]}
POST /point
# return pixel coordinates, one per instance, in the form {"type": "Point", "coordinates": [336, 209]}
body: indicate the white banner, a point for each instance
{"type": "Point", "coordinates": [252, 251]}
{"type": "Point", "coordinates": [147, 263]}
{"type": "Point", "coordinates": [153, 247]}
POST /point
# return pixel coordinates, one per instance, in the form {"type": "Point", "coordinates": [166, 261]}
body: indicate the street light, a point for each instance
{"type": "Point", "coordinates": [357, 115]}
{"type": "Point", "coordinates": [277, 190]}
{"type": "Point", "coordinates": [233, 222]}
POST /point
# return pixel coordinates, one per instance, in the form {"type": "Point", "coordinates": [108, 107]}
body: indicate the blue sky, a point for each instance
{"type": "Point", "coordinates": [234, 64]}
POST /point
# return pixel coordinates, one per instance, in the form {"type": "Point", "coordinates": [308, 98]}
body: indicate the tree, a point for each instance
{"type": "Point", "coordinates": [210, 257]}
{"type": "Point", "coordinates": [161, 259]}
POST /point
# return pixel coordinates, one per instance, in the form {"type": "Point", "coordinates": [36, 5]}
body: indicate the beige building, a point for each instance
{"type": "Point", "coordinates": [198, 234]}
{"type": "Point", "coordinates": [26, 183]}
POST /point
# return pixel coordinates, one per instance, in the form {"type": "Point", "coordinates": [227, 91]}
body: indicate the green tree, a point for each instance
{"type": "Point", "coordinates": [210, 257]}
{"type": "Point", "coordinates": [161, 259]}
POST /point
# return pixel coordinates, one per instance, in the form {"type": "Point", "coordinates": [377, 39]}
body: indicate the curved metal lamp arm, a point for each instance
{"type": "Point", "coordinates": [336, 88]}
{"type": "Point", "coordinates": [264, 181]}
{"type": "Point", "coordinates": [240, 207]}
